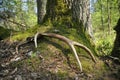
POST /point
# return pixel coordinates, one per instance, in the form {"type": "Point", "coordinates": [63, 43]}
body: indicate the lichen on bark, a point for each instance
{"type": "Point", "coordinates": [56, 11]}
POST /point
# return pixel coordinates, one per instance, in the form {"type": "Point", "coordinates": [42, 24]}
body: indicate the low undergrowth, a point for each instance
{"type": "Point", "coordinates": [104, 43]}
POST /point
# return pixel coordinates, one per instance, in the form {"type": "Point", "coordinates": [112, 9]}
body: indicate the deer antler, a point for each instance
{"type": "Point", "coordinates": [69, 42]}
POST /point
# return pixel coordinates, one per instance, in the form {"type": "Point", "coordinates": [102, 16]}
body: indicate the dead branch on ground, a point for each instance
{"type": "Point", "coordinates": [14, 22]}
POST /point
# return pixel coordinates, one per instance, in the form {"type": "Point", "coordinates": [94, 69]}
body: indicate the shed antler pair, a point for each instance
{"type": "Point", "coordinates": [69, 42]}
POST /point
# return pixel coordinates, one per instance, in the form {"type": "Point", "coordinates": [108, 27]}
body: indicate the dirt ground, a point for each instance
{"type": "Point", "coordinates": [11, 70]}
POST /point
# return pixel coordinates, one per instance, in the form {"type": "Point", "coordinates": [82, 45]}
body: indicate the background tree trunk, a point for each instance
{"type": "Point", "coordinates": [116, 49]}
{"type": "Point", "coordinates": [102, 22]}
{"type": "Point", "coordinates": [109, 16]}
{"type": "Point", "coordinates": [81, 13]}
{"type": "Point", "coordinates": [41, 10]}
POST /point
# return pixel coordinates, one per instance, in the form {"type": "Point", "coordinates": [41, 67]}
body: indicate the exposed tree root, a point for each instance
{"type": "Point", "coordinates": [69, 42]}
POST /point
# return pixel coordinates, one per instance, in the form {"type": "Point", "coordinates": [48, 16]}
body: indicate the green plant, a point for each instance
{"type": "Point", "coordinates": [104, 47]}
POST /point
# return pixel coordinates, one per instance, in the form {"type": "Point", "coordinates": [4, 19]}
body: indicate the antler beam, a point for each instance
{"type": "Point", "coordinates": [69, 42]}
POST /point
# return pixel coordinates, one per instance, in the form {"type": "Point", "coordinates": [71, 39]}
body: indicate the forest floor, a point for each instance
{"type": "Point", "coordinates": [12, 67]}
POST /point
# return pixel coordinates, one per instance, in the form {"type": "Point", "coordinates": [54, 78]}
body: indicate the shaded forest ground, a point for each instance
{"type": "Point", "coordinates": [51, 63]}
{"type": "Point", "coordinates": [53, 59]}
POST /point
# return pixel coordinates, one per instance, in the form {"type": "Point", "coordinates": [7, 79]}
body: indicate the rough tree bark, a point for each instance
{"type": "Point", "coordinates": [41, 10]}
{"type": "Point", "coordinates": [51, 9]}
{"type": "Point", "coordinates": [81, 13]}
{"type": "Point", "coordinates": [68, 3]}
{"type": "Point", "coordinates": [116, 49]}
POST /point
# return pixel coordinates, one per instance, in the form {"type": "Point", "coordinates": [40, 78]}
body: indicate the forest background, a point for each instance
{"type": "Point", "coordinates": [21, 19]}
{"type": "Point", "coordinates": [104, 13]}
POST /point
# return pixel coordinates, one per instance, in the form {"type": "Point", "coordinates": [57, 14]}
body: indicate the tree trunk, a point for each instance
{"type": "Point", "coordinates": [102, 22]}
{"type": "Point", "coordinates": [109, 17]}
{"type": "Point", "coordinates": [116, 49]}
{"type": "Point", "coordinates": [41, 10]}
{"type": "Point", "coordinates": [51, 10]}
{"type": "Point", "coordinates": [68, 3]}
{"type": "Point", "coordinates": [81, 14]}
{"type": "Point", "coordinates": [55, 10]}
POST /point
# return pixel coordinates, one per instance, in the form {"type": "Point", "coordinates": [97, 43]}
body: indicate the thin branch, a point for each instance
{"type": "Point", "coordinates": [5, 19]}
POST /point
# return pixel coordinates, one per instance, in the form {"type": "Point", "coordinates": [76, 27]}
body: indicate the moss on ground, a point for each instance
{"type": "Point", "coordinates": [57, 56]}
{"type": "Point", "coordinates": [58, 59]}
